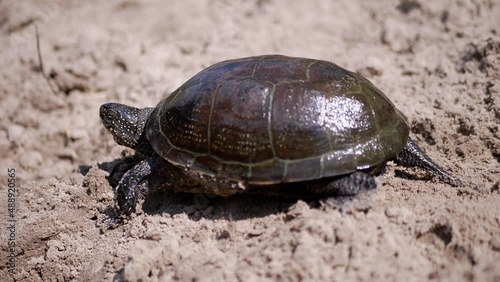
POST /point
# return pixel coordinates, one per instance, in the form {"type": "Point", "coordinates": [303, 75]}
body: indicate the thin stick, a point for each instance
{"type": "Point", "coordinates": [40, 61]}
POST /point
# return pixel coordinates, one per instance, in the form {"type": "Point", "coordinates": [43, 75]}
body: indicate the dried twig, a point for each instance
{"type": "Point", "coordinates": [40, 62]}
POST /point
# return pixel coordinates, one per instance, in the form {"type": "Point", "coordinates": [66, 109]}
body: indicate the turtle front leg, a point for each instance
{"type": "Point", "coordinates": [413, 156]}
{"type": "Point", "coordinates": [348, 185]}
{"type": "Point", "coordinates": [134, 185]}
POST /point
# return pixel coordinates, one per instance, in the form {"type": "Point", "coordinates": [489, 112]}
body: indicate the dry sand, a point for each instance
{"type": "Point", "coordinates": [439, 62]}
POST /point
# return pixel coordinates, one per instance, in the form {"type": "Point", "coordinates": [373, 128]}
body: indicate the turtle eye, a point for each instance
{"type": "Point", "coordinates": [107, 113]}
{"type": "Point", "coordinates": [118, 114]}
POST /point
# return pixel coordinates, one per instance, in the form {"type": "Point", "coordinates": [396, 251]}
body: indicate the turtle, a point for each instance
{"type": "Point", "coordinates": [268, 124]}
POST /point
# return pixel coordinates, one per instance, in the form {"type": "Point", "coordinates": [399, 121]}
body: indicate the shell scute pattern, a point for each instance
{"type": "Point", "coordinates": [276, 119]}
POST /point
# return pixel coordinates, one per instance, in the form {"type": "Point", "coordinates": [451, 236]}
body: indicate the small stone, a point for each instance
{"type": "Point", "coordinates": [153, 233]}
{"type": "Point", "coordinates": [298, 209]}
{"type": "Point", "coordinates": [14, 132]}
{"type": "Point", "coordinates": [36, 260]}
{"type": "Point", "coordinates": [30, 160]}
{"type": "Point", "coordinates": [392, 212]}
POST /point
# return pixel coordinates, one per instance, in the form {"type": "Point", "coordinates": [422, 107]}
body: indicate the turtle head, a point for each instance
{"type": "Point", "coordinates": [127, 125]}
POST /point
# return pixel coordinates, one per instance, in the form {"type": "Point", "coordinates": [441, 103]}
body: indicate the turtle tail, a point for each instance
{"type": "Point", "coordinates": [413, 156]}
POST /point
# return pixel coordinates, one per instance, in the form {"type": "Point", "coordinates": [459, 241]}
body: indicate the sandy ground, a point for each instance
{"type": "Point", "coordinates": [438, 61]}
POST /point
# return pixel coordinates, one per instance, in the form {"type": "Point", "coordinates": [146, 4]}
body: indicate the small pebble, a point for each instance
{"type": "Point", "coordinates": [30, 160]}
{"type": "Point", "coordinates": [297, 209]}
{"type": "Point", "coordinates": [392, 212]}
{"type": "Point", "coordinates": [14, 132]}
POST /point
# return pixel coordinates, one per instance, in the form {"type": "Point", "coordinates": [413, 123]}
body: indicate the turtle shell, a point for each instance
{"type": "Point", "coordinates": [272, 119]}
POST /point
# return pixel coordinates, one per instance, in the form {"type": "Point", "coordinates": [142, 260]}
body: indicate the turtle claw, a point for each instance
{"type": "Point", "coordinates": [126, 199]}
{"type": "Point", "coordinates": [109, 220]}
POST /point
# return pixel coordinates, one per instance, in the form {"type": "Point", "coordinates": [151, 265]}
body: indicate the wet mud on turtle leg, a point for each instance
{"type": "Point", "coordinates": [348, 185]}
{"type": "Point", "coordinates": [413, 156]}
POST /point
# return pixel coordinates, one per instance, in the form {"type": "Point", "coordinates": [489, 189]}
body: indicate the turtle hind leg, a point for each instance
{"type": "Point", "coordinates": [413, 156]}
{"type": "Point", "coordinates": [348, 185]}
